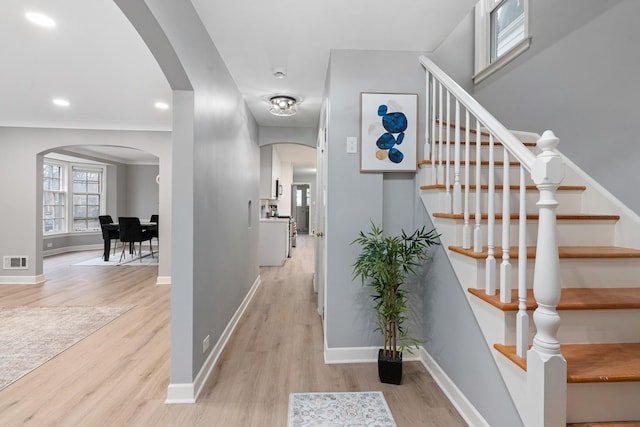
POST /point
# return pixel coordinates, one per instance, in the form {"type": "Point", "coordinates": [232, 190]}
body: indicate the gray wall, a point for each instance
{"type": "Point", "coordinates": [442, 313]}
{"type": "Point", "coordinates": [578, 78]}
{"type": "Point", "coordinates": [299, 135]}
{"type": "Point", "coordinates": [215, 176]}
{"type": "Point", "coordinates": [142, 191]}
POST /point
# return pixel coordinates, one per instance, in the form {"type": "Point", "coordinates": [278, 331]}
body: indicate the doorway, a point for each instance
{"type": "Point", "coordinates": [301, 200]}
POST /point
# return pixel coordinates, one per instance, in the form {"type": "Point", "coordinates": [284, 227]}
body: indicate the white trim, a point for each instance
{"type": "Point", "coordinates": [180, 393]}
{"type": "Point", "coordinates": [189, 392]}
{"type": "Point", "coordinates": [163, 280]}
{"type": "Point", "coordinates": [77, 248]}
{"type": "Point", "coordinates": [358, 355]}
{"type": "Point", "coordinates": [507, 57]}
{"type": "Point", "coordinates": [467, 411]}
{"type": "Point", "coordinates": [22, 280]}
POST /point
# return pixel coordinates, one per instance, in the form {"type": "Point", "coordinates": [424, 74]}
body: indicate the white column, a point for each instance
{"type": "Point", "coordinates": [546, 367]}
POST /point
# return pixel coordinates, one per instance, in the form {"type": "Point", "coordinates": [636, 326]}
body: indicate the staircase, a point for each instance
{"type": "Point", "coordinates": [582, 245]}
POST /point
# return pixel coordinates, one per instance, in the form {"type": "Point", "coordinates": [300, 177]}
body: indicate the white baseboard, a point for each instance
{"type": "Point", "coordinates": [457, 398]}
{"type": "Point", "coordinates": [22, 280]}
{"type": "Point", "coordinates": [180, 393]}
{"type": "Point", "coordinates": [163, 280]}
{"type": "Point", "coordinates": [65, 249]}
{"type": "Point", "coordinates": [358, 355]}
{"type": "Point", "coordinates": [189, 392]}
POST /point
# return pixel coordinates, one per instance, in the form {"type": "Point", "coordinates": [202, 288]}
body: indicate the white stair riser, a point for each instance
{"type": "Point", "coordinates": [578, 326]}
{"type": "Point", "coordinates": [570, 202]}
{"type": "Point", "coordinates": [569, 232]}
{"type": "Point", "coordinates": [514, 175]}
{"type": "Point", "coordinates": [588, 402]}
{"type": "Point", "coordinates": [584, 326]}
{"type": "Point", "coordinates": [605, 401]}
{"type": "Point", "coordinates": [577, 272]}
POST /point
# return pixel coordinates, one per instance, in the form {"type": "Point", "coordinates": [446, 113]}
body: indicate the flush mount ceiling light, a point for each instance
{"type": "Point", "coordinates": [40, 19]}
{"type": "Point", "coordinates": [161, 105]}
{"type": "Point", "coordinates": [282, 105]}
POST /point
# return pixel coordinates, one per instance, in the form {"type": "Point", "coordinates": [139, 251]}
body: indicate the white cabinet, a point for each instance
{"type": "Point", "coordinates": [273, 246]}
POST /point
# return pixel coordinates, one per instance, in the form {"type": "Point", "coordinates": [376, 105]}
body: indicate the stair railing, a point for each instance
{"type": "Point", "coordinates": [546, 367]}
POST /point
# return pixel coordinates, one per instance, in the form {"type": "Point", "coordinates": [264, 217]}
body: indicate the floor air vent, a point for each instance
{"type": "Point", "coordinates": [15, 263]}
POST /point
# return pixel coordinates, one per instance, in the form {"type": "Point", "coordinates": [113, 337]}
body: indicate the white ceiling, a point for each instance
{"type": "Point", "coordinates": [95, 58]}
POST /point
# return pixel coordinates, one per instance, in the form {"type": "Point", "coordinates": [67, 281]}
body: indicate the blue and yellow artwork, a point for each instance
{"type": "Point", "coordinates": [388, 132]}
{"type": "Point", "coordinates": [394, 124]}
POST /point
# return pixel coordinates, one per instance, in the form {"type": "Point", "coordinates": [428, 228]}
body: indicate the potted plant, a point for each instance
{"type": "Point", "coordinates": [383, 265]}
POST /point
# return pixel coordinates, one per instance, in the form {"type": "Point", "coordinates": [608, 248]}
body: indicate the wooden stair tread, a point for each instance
{"type": "Point", "coordinates": [572, 299]}
{"type": "Point", "coordinates": [592, 363]}
{"type": "Point", "coordinates": [563, 252]}
{"type": "Point", "coordinates": [515, 216]}
{"type": "Point", "coordinates": [501, 187]}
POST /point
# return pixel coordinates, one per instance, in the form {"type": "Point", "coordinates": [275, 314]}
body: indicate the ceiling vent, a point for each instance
{"type": "Point", "coordinates": [15, 263]}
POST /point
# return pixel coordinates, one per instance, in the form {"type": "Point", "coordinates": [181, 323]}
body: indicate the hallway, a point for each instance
{"type": "Point", "coordinates": [118, 376]}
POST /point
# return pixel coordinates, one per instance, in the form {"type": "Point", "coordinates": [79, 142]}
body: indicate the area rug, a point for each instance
{"type": "Point", "coordinates": [30, 336]}
{"type": "Point", "coordinates": [364, 409]}
{"type": "Point", "coordinates": [127, 260]}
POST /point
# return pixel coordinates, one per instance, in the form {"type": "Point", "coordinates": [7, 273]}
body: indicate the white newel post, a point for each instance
{"type": "Point", "coordinates": [546, 367]}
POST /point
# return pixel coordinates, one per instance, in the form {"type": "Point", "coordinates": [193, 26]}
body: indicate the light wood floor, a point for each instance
{"type": "Point", "coordinates": [118, 376]}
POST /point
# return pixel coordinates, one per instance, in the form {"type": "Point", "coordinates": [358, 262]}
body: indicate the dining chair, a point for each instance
{"type": "Point", "coordinates": [154, 231]}
{"type": "Point", "coordinates": [132, 232]}
{"type": "Point", "coordinates": [110, 234]}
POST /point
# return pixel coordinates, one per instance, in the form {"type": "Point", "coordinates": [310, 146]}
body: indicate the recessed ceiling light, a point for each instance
{"type": "Point", "coordinates": [40, 19]}
{"type": "Point", "coordinates": [279, 72]}
{"type": "Point", "coordinates": [161, 105]}
{"type": "Point", "coordinates": [61, 102]}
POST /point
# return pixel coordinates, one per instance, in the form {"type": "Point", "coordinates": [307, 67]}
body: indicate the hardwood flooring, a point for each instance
{"type": "Point", "coordinates": [119, 375]}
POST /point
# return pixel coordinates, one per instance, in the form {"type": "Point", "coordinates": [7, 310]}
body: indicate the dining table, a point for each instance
{"type": "Point", "coordinates": [106, 228]}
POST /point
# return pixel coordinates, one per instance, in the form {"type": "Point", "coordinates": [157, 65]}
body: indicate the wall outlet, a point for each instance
{"type": "Point", "coordinates": [50, 245]}
{"type": "Point", "coordinates": [205, 344]}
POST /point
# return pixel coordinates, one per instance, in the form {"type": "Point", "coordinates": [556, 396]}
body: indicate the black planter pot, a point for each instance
{"type": "Point", "coordinates": [389, 369]}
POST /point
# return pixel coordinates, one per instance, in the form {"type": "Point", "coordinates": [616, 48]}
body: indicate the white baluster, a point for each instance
{"type": "Point", "coordinates": [505, 266]}
{"type": "Point", "coordinates": [546, 367]}
{"type": "Point", "coordinates": [477, 232]}
{"type": "Point", "coordinates": [522, 318]}
{"type": "Point", "coordinates": [427, 141]}
{"type": "Point", "coordinates": [440, 171]}
{"type": "Point", "coordinates": [446, 203]}
{"type": "Point", "coordinates": [434, 177]}
{"type": "Point", "coordinates": [490, 279]}
{"type": "Point", "coordinates": [466, 230]}
{"type": "Point", "coordinates": [457, 187]}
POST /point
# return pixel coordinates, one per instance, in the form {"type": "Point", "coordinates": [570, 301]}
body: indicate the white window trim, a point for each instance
{"type": "Point", "coordinates": [483, 65]}
{"type": "Point", "coordinates": [103, 192]}
{"type": "Point", "coordinates": [67, 171]}
{"type": "Point", "coordinates": [64, 176]}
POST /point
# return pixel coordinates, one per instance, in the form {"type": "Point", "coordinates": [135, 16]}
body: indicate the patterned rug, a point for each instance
{"type": "Point", "coordinates": [30, 336]}
{"type": "Point", "coordinates": [366, 409]}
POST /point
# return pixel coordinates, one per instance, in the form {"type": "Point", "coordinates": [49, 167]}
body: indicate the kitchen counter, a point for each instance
{"type": "Point", "coordinates": [273, 245]}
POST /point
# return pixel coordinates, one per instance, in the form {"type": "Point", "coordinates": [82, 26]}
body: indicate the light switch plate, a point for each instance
{"type": "Point", "coordinates": [352, 144]}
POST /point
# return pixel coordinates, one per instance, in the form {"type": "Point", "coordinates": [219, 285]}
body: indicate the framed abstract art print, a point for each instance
{"type": "Point", "coordinates": [388, 132]}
